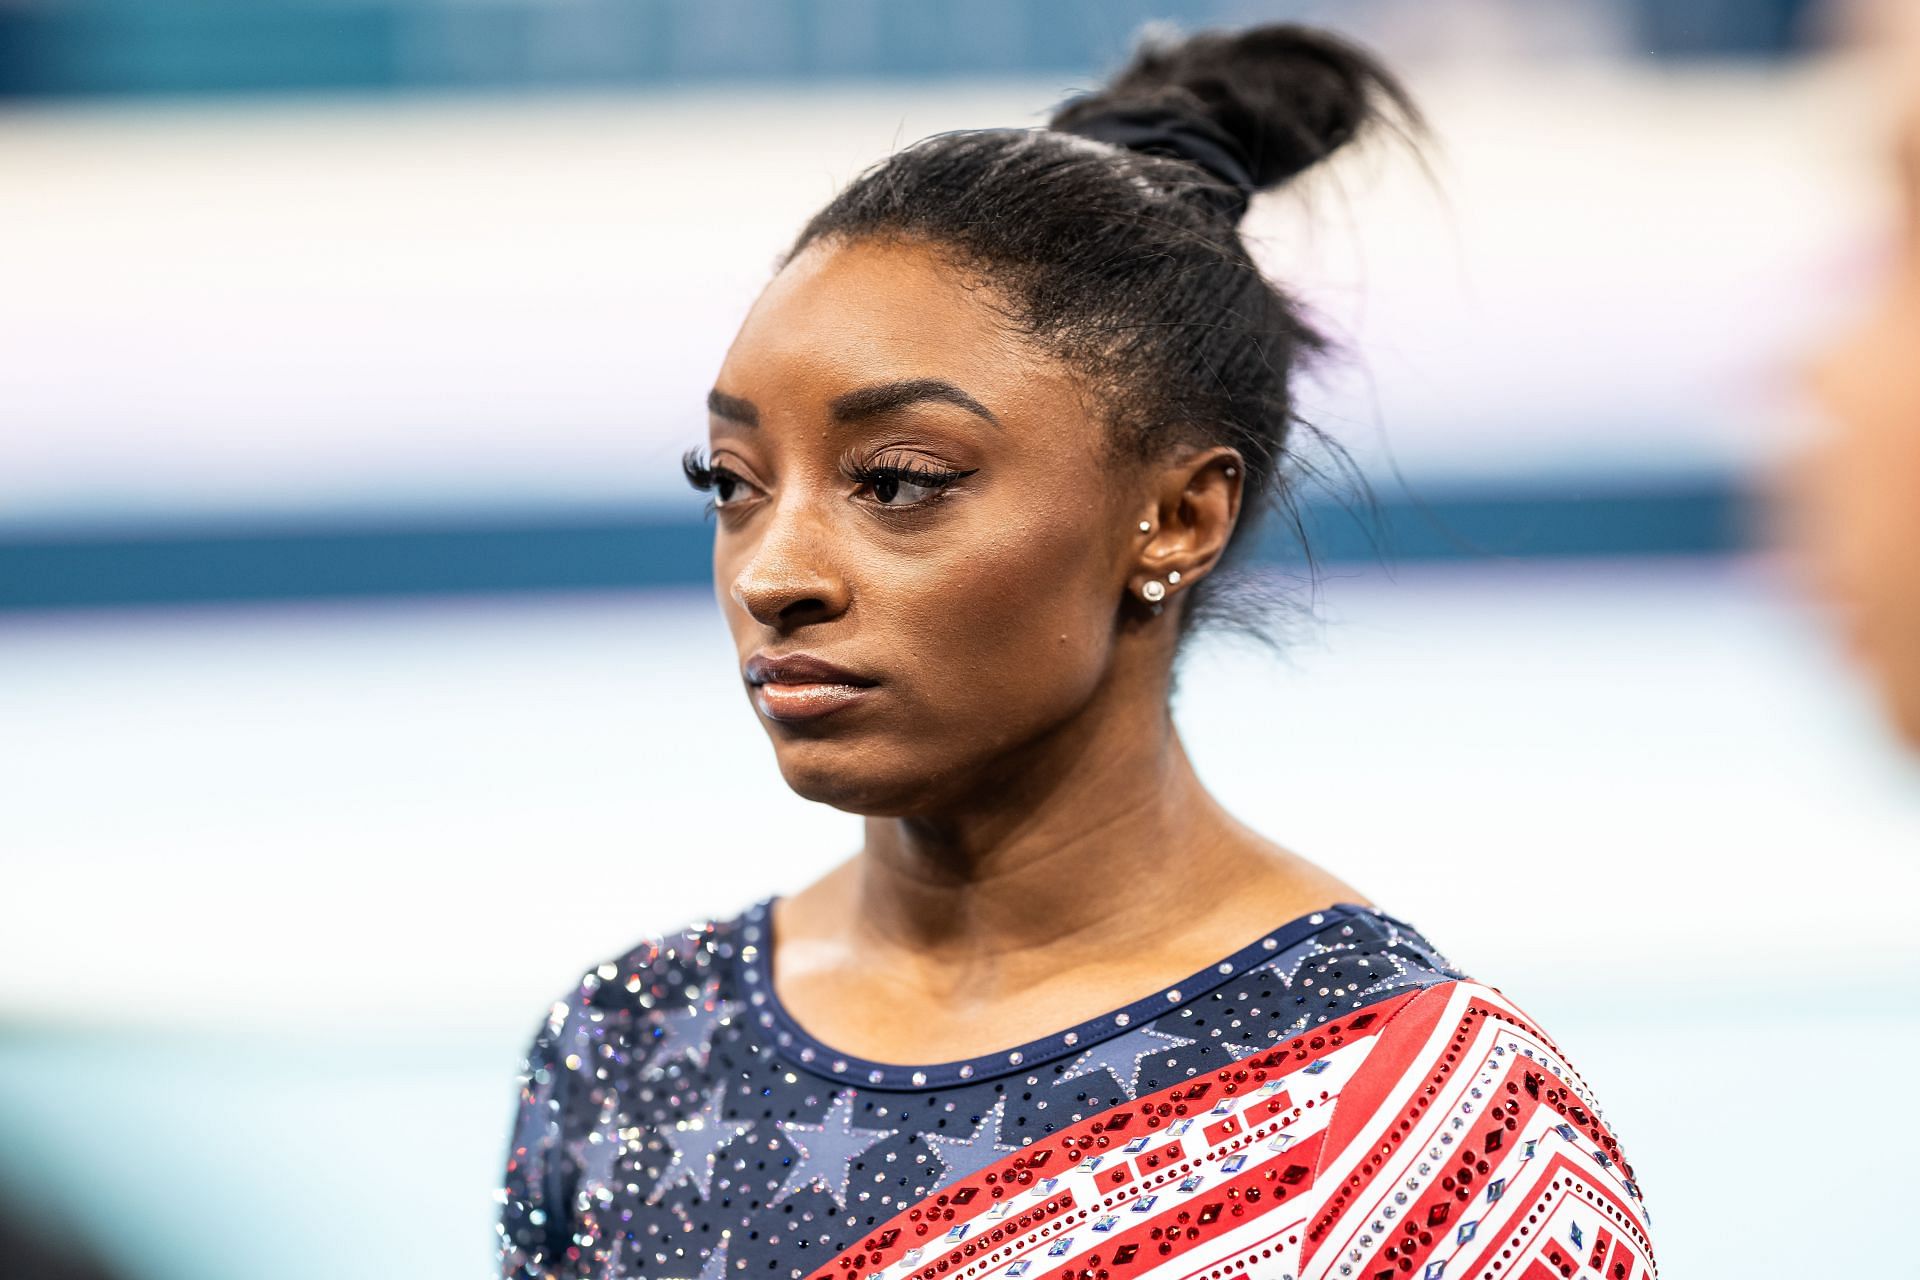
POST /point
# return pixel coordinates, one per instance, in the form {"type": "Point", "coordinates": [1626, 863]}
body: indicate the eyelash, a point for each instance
{"type": "Point", "coordinates": [704, 475]}
{"type": "Point", "coordinates": [885, 468]}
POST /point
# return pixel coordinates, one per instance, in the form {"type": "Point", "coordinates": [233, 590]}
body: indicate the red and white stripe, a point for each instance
{"type": "Point", "coordinates": [1353, 1152]}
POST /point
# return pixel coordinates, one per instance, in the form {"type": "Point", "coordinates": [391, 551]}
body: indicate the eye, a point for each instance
{"type": "Point", "coordinates": [725, 484]}
{"type": "Point", "coordinates": [898, 485]}
{"type": "Point", "coordinates": [897, 491]}
{"type": "Point", "coordinates": [727, 487]}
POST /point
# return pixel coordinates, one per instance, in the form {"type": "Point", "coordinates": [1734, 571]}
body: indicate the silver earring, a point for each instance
{"type": "Point", "coordinates": [1231, 472]}
{"type": "Point", "coordinates": [1152, 591]}
{"type": "Point", "coordinates": [1173, 578]}
{"type": "Point", "coordinates": [1145, 527]}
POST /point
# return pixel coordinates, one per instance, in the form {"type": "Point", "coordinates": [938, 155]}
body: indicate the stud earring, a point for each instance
{"type": "Point", "coordinates": [1152, 591]}
{"type": "Point", "coordinates": [1232, 471]}
{"type": "Point", "coordinates": [1173, 578]}
{"type": "Point", "coordinates": [1145, 527]}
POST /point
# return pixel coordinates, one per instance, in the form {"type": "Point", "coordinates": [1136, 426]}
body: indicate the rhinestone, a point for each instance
{"type": "Point", "coordinates": [1015, 1058]}
{"type": "Point", "coordinates": [1174, 995]}
{"type": "Point", "coordinates": [966, 1071]}
{"type": "Point", "coordinates": [919, 1077]}
{"type": "Point", "coordinates": [875, 1077]}
{"type": "Point", "coordinates": [1072, 1037]}
{"type": "Point", "coordinates": [1122, 1019]}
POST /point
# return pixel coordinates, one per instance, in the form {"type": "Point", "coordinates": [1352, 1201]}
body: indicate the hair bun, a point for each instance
{"type": "Point", "coordinates": [1282, 97]}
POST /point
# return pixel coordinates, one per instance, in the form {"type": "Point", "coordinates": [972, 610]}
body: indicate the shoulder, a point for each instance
{"type": "Point", "coordinates": [1466, 1134]}
{"type": "Point", "coordinates": [628, 1006]}
{"type": "Point", "coordinates": [625, 1020]}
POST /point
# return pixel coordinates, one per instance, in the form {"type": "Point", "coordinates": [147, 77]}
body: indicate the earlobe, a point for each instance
{"type": "Point", "coordinates": [1193, 529]}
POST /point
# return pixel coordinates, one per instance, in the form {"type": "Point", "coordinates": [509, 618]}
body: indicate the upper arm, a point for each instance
{"type": "Point", "coordinates": [1464, 1138]}
{"type": "Point", "coordinates": [535, 1191]}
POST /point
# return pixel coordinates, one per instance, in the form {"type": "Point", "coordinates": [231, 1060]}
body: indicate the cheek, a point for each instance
{"type": "Point", "coordinates": [1011, 619]}
{"type": "Point", "coordinates": [1865, 479]}
{"type": "Point", "coordinates": [1863, 495]}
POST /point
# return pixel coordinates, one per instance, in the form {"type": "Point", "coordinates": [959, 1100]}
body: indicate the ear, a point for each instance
{"type": "Point", "coordinates": [1193, 506]}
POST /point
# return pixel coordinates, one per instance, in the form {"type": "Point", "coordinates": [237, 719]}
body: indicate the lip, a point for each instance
{"type": "Point", "coordinates": [803, 686]}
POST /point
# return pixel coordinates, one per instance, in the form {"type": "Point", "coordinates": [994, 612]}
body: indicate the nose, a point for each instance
{"type": "Point", "coordinates": [789, 577]}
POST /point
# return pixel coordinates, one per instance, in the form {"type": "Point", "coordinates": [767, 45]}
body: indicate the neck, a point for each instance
{"type": "Point", "coordinates": [1101, 834]}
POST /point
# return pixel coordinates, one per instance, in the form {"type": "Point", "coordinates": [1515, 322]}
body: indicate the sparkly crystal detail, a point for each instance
{"type": "Point", "coordinates": [694, 1144]}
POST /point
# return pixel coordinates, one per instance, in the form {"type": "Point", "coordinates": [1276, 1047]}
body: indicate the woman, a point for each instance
{"type": "Point", "coordinates": [1860, 495]}
{"type": "Point", "coordinates": [977, 455]}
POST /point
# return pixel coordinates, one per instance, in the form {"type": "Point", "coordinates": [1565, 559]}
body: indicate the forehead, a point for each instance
{"type": "Point", "coordinates": [842, 313]}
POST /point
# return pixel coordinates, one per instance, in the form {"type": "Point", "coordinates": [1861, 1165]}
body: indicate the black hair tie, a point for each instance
{"type": "Point", "coordinates": [1181, 135]}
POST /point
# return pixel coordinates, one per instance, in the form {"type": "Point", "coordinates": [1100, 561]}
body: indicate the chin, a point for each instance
{"type": "Point", "coordinates": [1891, 659]}
{"type": "Point", "coordinates": [1904, 706]}
{"type": "Point", "coordinates": [860, 780]}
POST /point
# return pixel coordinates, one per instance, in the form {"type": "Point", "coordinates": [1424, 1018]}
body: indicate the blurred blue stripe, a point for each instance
{"type": "Point", "coordinates": [62, 47]}
{"type": "Point", "coordinates": [482, 555]}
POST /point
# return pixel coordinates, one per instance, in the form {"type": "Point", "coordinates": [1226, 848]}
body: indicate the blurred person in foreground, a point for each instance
{"type": "Point", "coordinates": [977, 455]}
{"type": "Point", "coordinates": [1859, 491]}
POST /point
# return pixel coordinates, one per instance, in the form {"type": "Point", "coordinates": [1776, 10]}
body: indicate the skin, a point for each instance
{"type": "Point", "coordinates": [1858, 491]}
{"type": "Point", "coordinates": [1038, 849]}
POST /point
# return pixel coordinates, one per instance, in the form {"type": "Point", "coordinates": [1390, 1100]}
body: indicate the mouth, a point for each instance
{"type": "Point", "coordinates": [800, 686]}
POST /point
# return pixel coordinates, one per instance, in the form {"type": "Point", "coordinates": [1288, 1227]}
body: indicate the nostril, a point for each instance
{"type": "Point", "coordinates": [785, 604]}
{"type": "Point", "coordinates": [804, 609]}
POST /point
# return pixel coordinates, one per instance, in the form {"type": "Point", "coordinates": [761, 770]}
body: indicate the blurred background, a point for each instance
{"type": "Point", "coordinates": [360, 682]}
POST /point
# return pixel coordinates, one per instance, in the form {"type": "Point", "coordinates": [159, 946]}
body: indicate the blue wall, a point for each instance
{"type": "Point", "coordinates": [104, 47]}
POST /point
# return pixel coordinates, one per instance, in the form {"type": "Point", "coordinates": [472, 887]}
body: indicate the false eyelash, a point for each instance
{"type": "Point", "coordinates": [906, 473]}
{"type": "Point", "coordinates": [703, 475]}
{"type": "Point", "coordinates": [699, 473]}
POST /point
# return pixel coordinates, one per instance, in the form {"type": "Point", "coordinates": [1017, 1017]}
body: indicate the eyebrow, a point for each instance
{"type": "Point", "coordinates": [885, 397]}
{"type": "Point", "coordinates": [732, 408]}
{"type": "Point", "coordinates": [863, 402]}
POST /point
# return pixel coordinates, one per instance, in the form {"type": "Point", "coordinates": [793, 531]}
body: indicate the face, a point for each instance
{"type": "Point", "coordinates": [1861, 488]}
{"type": "Point", "coordinates": [923, 547]}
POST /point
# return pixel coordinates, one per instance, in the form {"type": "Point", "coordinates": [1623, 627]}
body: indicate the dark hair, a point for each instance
{"type": "Point", "coordinates": [1127, 263]}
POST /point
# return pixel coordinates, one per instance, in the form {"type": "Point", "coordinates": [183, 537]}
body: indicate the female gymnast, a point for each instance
{"type": "Point", "coordinates": [977, 456]}
{"type": "Point", "coordinates": [1858, 492]}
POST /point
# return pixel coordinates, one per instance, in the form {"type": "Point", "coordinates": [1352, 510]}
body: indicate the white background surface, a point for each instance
{"type": "Point", "coordinates": [286, 890]}
{"type": "Point", "coordinates": [346, 306]}
{"type": "Point", "coordinates": [289, 889]}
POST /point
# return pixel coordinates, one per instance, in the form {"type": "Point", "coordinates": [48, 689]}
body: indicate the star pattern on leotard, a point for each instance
{"type": "Point", "coordinates": [651, 1135]}
{"type": "Point", "coordinates": [597, 1155]}
{"type": "Point", "coordinates": [966, 1156]}
{"type": "Point", "coordinates": [1120, 1057]}
{"type": "Point", "coordinates": [825, 1152]}
{"type": "Point", "coordinates": [686, 1035]}
{"type": "Point", "coordinates": [713, 1265]}
{"type": "Point", "coordinates": [696, 1143]}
